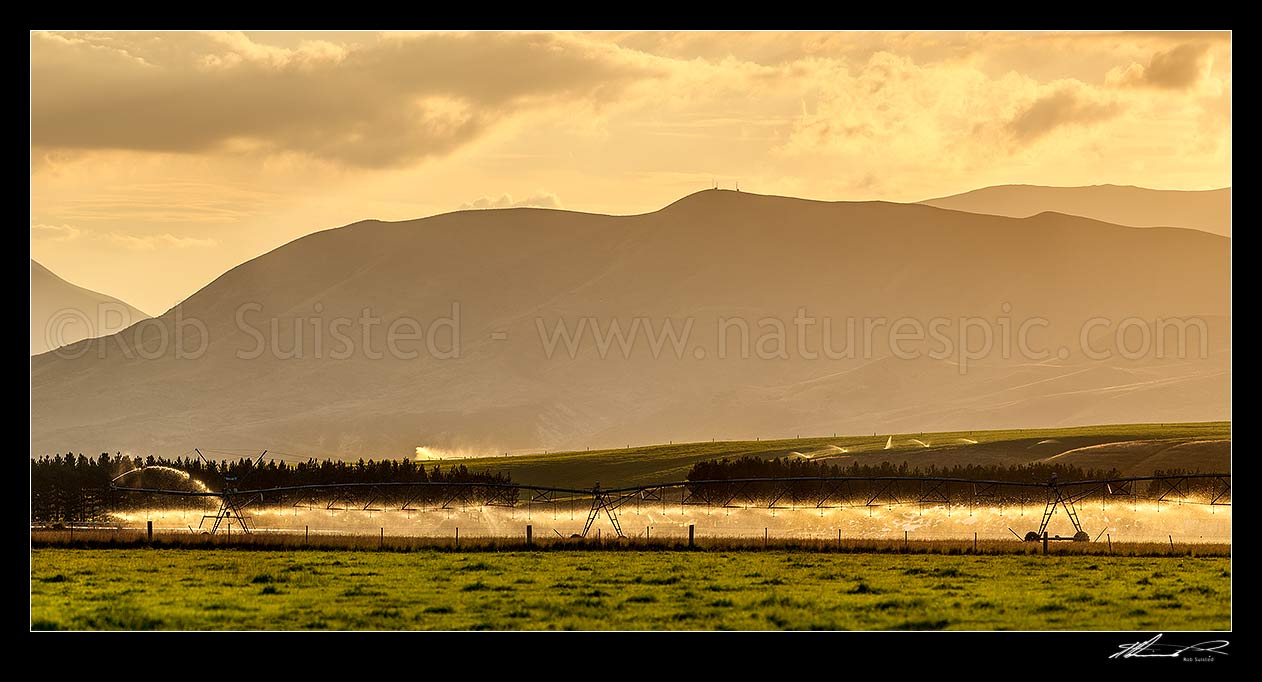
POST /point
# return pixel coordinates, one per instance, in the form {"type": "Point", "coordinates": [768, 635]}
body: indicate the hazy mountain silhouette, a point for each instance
{"type": "Point", "coordinates": [62, 313]}
{"type": "Point", "coordinates": [1206, 210]}
{"type": "Point", "coordinates": [714, 254]}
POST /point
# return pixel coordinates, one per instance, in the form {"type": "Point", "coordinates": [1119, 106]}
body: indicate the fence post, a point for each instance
{"type": "Point", "coordinates": [838, 538]}
{"type": "Point", "coordinates": [904, 540]}
{"type": "Point", "coordinates": [1110, 537]}
{"type": "Point", "coordinates": [1045, 543]}
{"type": "Point", "coordinates": [457, 536]}
{"type": "Point", "coordinates": [529, 535]}
{"type": "Point", "coordinates": [691, 540]}
{"type": "Point", "coordinates": [150, 531]}
{"type": "Point", "coordinates": [974, 543]}
{"type": "Point", "coordinates": [381, 544]}
{"type": "Point", "coordinates": [1171, 542]}
{"type": "Point", "coordinates": [764, 537]}
{"type": "Point", "coordinates": [306, 535]}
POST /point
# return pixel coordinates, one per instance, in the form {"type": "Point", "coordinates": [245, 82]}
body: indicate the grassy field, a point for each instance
{"type": "Point", "coordinates": [641, 465]}
{"type": "Point", "coordinates": [225, 589]}
{"type": "Point", "coordinates": [136, 539]}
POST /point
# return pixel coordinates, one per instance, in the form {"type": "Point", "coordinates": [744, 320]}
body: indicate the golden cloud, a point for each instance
{"type": "Point", "coordinates": [391, 101]}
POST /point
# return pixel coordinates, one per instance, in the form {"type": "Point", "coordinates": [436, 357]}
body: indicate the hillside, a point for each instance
{"type": "Point", "coordinates": [710, 256]}
{"type": "Point", "coordinates": [1206, 210]}
{"type": "Point", "coordinates": [1134, 449]}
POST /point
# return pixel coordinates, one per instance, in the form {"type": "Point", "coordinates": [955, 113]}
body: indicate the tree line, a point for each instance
{"type": "Point", "coordinates": [785, 467]}
{"type": "Point", "coordinates": [76, 489]}
{"type": "Point", "coordinates": [721, 473]}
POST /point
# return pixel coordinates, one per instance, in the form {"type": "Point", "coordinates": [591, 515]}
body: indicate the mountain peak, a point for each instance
{"type": "Point", "coordinates": [712, 196]}
{"type": "Point", "coordinates": [62, 313]}
{"type": "Point", "coordinates": [1204, 210]}
{"type": "Point", "coordinates": [720, 198]}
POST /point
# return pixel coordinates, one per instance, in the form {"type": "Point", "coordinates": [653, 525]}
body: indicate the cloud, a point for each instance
{"type": "Point", "coordinates": [1178, 68]}
{"type": "Point", "coordinates": [1061, 107]}
{"type": "Point", "coordinates": [814, 113]}
{"type": "Point", "coordinates": [55, 233]}
{"type": "Point", "coordinates": [540, 200]}
{"type": "Point", "coordinates": [889, 123]}
{"type": "Point", "coordinates": [385, 102]}
{"type": "Point", "coordinates": [153, 242]}
{"type": "Point", "coordinates": [165, 202]}
{"type": "Point", "coordinates": [783, 47]}
{"type": "Point", "coordinates": [150, 242]}
{"type": "Point", "coordinates": [890, 109]}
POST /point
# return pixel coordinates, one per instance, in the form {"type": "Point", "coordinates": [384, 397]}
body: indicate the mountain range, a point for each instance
{"type": "Point", "coordinates": [719, 261]}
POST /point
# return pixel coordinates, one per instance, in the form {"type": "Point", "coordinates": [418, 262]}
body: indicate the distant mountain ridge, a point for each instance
{"type": "Point", "coordinates": [62, 313]}
{"type": "Point", "coordinates": [1205, 210]}
{"type": "Point", "coordinates": [712, 256]}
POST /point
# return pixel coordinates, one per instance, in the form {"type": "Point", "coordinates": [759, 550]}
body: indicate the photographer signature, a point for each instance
{"type": "Point", "coordinates": [1153, 649]}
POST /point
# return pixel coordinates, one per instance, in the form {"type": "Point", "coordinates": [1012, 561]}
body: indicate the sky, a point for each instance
{"type": "Point", "coordinates": [161, 160]}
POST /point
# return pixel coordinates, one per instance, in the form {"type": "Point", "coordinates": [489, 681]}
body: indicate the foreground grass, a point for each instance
{"type": "Point", "coordinates": [134, 539]}
{"type": "Point", "coordinates": [227, 589]}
